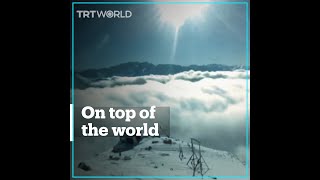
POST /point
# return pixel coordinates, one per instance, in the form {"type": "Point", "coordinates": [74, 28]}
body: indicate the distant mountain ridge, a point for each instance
{"type": "Point", "coordinates": [83, 79]}
{"type": "Point", "coordinates": [132, 69]}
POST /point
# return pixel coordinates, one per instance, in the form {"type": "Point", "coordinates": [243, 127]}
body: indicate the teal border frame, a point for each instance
{"type": "Point", "coordinates": [247, 85]}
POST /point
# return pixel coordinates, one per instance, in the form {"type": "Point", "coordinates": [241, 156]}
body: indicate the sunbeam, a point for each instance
{"type": "Point", "coordinates": [176, 15]}
{"type": "Point", "coordinates": [175, 39]}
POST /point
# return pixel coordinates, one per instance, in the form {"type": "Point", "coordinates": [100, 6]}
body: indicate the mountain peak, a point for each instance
{"type": "Point", "coordinates": [155, 156]}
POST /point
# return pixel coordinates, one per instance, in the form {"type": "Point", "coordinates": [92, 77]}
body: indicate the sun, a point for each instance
{"type": "Point", "coordinates": [177, 14]}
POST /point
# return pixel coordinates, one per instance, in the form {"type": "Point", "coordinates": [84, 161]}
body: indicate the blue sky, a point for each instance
{"type": "Point", "coordinates": [216, 37]}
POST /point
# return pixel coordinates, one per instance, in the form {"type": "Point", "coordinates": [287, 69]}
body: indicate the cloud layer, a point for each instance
{"type": "Point", "coordinates": [210, 106]}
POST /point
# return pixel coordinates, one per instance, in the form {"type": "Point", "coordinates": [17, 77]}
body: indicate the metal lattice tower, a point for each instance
{"type": "Point", "coordinates": [197, 162]}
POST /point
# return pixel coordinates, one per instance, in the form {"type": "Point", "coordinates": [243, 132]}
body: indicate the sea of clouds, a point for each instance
{"type": "Point", "coordinates": [209, 106]}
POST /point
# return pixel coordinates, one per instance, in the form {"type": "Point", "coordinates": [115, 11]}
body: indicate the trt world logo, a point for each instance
{"type": "Point", "coordinates": [103, 14]}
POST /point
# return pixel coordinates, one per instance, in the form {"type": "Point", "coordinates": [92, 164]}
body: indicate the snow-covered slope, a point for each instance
{"type": "Point", "coordinates": [160, 160]}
